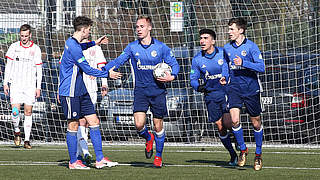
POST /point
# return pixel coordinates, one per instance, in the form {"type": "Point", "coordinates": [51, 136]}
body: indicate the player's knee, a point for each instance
{"type": "Point", "coordinates": [139, 126]}
{"type": "Point", "coordinates": [15, 112]}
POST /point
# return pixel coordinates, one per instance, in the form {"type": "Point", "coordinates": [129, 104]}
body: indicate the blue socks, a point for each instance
{"type": "Point", "coordinates": [258, 136]}
{"type": "Point", "coordinates": [72, 145]}
{"type": "Point", "coordinates": [227, 144]}
{"type": "Point", "coordinates": [144, 133]}
{"type": "Point", "coordinates": [159, 138]}
{"type": "Point", "coordinates": [238, 133]}
{"type": "Point", "coordinates": [96, 141]}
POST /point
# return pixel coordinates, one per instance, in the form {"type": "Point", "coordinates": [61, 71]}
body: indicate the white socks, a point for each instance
{"type": "Point", "coordinates": [27, 127]}
{"type": "Point", "coordinates": [82, 137]}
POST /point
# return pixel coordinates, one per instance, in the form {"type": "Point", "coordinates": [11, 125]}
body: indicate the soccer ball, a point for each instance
{"type": "Point", "coordinates": [160, 69]}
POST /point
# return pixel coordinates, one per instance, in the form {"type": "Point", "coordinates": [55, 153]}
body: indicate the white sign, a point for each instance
{"type": "Point", "coordinates": [176, 16]}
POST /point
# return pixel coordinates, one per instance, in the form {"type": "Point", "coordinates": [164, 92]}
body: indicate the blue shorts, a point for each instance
{"type": "Point", "coordinates": [216, 108]}
{"type": "Point", "coordinates": [143, 99]}
{"type": "Point", "coordinates": [77, 107]}
{"type": "Point", "coordinates": [252, 102]}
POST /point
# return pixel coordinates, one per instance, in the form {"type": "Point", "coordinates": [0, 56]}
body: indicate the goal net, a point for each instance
{"type": "Point", "coordinates": [287, 33]}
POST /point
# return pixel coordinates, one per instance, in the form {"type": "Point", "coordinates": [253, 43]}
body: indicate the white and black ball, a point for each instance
{"type": "Point", "coordinates": [160, 69]}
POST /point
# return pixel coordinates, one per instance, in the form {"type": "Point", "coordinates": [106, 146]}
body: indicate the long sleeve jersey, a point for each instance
{"type": "Point", "coordinates": [72, 66]}
{"type": "Point", "coordinates": [211, 68]}
{"type": "Point", "coordinates": [143, 60]}
{"type": "Point", "coordinates": [24, 66]}
{"type": "Point", "coordinates": [245, 76]}
{"type": "Point", "coordinates": [96, 59]}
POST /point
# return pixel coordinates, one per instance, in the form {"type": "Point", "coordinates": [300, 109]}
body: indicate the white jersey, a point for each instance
{"type": "Point", "coordinates": [24, 66]}
{"type": "Point", "coordinates": [95, 58]}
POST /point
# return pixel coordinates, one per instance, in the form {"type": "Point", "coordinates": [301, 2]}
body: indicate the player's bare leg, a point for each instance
{"type": "Point", "coordinates": [159, 138]}
{"type": "Point", "coordinates": [27, 125]}
{"type": "Point", "coordinates": [16, 120]}
{"type": "Point", "coordinates": [94, 126]}
{"type": "Point", "coordinates": [258, 135]}
{"type": "Point", "coordinates": [142, 130]}
{"type": "Point", "coordinates": [238, 133]}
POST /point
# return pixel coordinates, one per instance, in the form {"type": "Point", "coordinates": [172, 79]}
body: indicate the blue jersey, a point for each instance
{"type": "Point", "coordinates": [252, 63]}
{"type": "Point", "coordinates": [211, 68]}
{"type": "Point", "coordinates": [143, 59]}
{"type": "Point", "coordinates": [72, 66]}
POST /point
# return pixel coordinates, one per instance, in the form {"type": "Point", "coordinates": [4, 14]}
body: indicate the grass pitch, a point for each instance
{"type": "Point", "coordinates": [50, 162]}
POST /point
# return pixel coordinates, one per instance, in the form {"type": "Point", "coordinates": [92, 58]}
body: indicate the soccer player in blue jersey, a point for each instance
{"type": "Point", "coordinates": [144, 54]}
{"type": "Point", "coordinates": [210, 66]}
{"type": "Point", "coordinates": [245, 62]}
{"type": "Point", "coordinates": [73, 95]}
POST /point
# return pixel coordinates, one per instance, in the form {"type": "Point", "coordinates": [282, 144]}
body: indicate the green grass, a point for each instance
{"type": "Point", "coordinates": [50, 162]}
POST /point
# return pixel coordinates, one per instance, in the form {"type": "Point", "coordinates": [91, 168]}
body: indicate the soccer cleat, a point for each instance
{"type": "Point", "coordinates": [257, 163]}
{"type": "Point", "coordinates": [105, 162]}
{"type": "Point", "coordinates": [87, 159]}
{"type": "Point", "coordinates": [77, 165]}
{"type": "Point", "coordinates": [27, 145]}
{"type": "Point", "coordinates": [157, 162]}
{"type": "Point", "coordinates": [17, 139]}
{"type": "Point", "coordinates": [242, 157]}
{"type": "Point", "coordinates": [233, 161]}
{"type": "Point", "coordinates": [149, 147]}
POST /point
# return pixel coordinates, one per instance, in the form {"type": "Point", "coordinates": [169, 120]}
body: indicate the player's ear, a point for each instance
{"type": "Point", "coordinates": [241, 31]}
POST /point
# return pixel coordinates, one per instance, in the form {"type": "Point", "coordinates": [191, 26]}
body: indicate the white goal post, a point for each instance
{"type": "Point", "coordinates": [287, 33]}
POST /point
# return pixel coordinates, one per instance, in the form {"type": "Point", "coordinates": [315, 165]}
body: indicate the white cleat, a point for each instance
{"type": "Point", "coordinates": [105, 162]}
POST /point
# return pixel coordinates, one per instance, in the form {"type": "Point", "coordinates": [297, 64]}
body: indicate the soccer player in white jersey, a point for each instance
{"type": "Point", "coordinates": [23, 76]}
{"type": "Point", "coordinates": [96, 59]}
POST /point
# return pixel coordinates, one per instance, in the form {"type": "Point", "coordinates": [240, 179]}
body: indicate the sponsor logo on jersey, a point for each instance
{"type": "Point", "coordinates": [260, 56]}
{"type": "Point", "coordinates": [203, 66]}
{"type": "Point", "coordinates": [243, 53]}
{"type": "Point", "coordinates": [137, 54]}
{"type": "Point", "coordinates": [215, 76]}
{"type": "Point", "coordinates": [154, 53]}
{"type": "Point", "coordinates": [220, 62]}
{"type": "Point", "coordinates": [144, 67]}
{"type": "Point", "coordinates": [81, 59]}
{"type": "Point", "coordinates": [17, 58]}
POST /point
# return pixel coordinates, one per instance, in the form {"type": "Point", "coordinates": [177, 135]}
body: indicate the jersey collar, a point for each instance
{"type": "Point", "coordinates": [233, 43]}
{"type": "Point", "coordinates": [26, 46]}
{"type": "Point", "coordinates": [146, 46]}
{"type": "Point", "coordinates": [210, 56]}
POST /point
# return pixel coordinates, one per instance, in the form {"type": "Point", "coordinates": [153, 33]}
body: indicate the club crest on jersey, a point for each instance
{"type": "Point", "coordinates": [31, 53]}
{"type": "Point", "coordinates": [154, 53]}
{"type": "Point", "coordinates": [220, 62]}
{"type": "Point", "coordinates": [192, 71]}
{"type": "Point", "coordinates": [260, 56]}
{"type": "Point", "coordinates": [203, 66]}
{"type": "Point", "coordinates": [243, 53]}
{"type": "Point", "coordinates": [92, 53]}
{"type": "Point", "coordinates": [74, 114]}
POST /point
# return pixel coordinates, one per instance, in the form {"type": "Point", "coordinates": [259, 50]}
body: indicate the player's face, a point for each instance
{"type": "Point", "coordinates": [86, 32]}
{"type": "Point", "coordinates": [143, 28]}
{"type": "Point", "coordinates": [234, 32]}
{"type": "Point", "coordinates": [25, 37]}
{"type": "Point", "coordinates": [206, 42]}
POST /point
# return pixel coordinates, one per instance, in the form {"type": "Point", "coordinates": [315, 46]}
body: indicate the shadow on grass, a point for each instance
{"type": "Point", "coordinates": [222, 164]}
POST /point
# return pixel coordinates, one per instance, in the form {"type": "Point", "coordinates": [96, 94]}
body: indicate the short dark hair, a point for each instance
{"type": "Point", "coordinates": [147, 18]}
{"type": "Point", "coordinates": [80, 22]}
{"type": "Point", "coordinates": [240, 23]}
{"type": "Point", "coordinates": [208, 31]}
{"type": "Point", "coordinates": [25, 27]}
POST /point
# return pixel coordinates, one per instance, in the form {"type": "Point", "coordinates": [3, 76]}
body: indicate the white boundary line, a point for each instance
{"type": "Point", "coordinates": [170, 151]}
{"type": "Point", "coordinates": [30, 163]}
